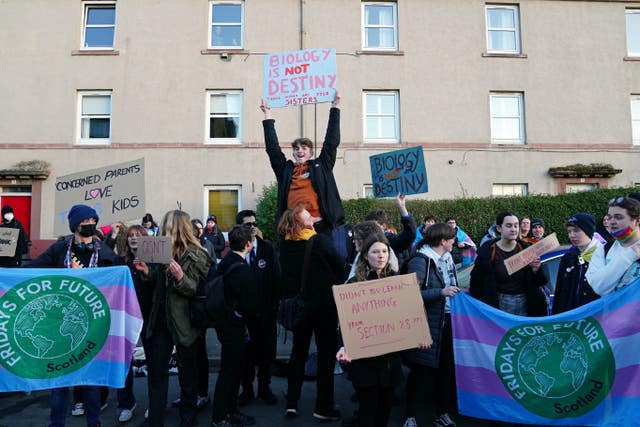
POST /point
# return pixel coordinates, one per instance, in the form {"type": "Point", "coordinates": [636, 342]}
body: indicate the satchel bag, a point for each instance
{"type": "Point", "coordinates": [291, 313]}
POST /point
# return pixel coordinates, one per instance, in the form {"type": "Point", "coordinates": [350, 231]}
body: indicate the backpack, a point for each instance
{"type": "Point", "coordinates": [208, 308]}
{"type": "Point", "coordinates": [404, 269]}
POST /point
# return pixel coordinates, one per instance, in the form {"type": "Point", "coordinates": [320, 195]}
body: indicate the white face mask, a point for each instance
{"type": "Point", "coordinates": [8, 216]}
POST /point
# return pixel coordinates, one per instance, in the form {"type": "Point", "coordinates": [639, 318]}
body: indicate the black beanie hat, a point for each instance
{"type": "Point", "coordinates": [584, 221]}
{"type": "Point", "coordinates": [79, 213]}
{"type": "Point", "coordinates": [6, 209]}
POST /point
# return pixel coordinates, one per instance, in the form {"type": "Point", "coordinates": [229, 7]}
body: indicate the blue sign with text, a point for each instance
{"type": "Point", "coordinates": [401, 171]}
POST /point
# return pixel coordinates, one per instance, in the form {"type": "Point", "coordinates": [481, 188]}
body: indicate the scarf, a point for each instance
{"type": "Point", "coordinates": [71, 261]}
{"type": "Point", "coordinates": [304, 234]}
{"type": "Point", "coordinates": [587, 254]}
{"type": "Point", "coordinates": [624, 235]}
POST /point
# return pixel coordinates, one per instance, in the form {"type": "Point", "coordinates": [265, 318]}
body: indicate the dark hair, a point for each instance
{"type": "Point", "coordinates": [289, 222]}
{"type": "Point", "coordinates": [239, 236]}
{"type": "Point", "coordinates": [302, 141]}
{"type": "Point", "coordinates": [194, 223]}
{"type": "Point", "coordinates": [436, 233]}
{"type": "Point", "coordinates": [363, 268]}
{"type": "Point", "coordinates": [631, 205]}
{"type": "Point", "coordinates": [147, 218]}
{"type": "Point", "coordinates": [364, 229]}
{"type": "Point", "coordinates": [502, 215]}
{"type": "Point", "coordinates": [243, 214]}
{"type": "Point", "coordinates": [450, 218]}
{"type": "Point", "coordinates": [429, 218]}
{"type": "Point", "coordinates": [377, 215]}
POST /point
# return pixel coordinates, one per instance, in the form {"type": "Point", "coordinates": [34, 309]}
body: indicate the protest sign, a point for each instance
{"type": "Point", "coordinates": [8, 241]}
{"type": "Point", "coordinates": [381, 316]}
{"type": "Point", "coordinates": [156, 249]}
{"type": "Point", "coordinates": [525, 257]}
{"type": "Point", "coordinates": [400, 171]}
{"type": "Point", "coordinates": [116, 192]}
{"type": "Point", "coordinates": [299, 77]}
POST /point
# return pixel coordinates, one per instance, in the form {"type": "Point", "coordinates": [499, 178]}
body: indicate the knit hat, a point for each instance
{"type": "Point", "coordinates": [584, 221]}
{"type": "Point", "coordinates": [6, 209]}
{"type": "Point", "coordinates": [212, 218]}
{"type": "Point", "coordinates": [537, 221]}
{"type": "Point", "coordinates": [79, 213]}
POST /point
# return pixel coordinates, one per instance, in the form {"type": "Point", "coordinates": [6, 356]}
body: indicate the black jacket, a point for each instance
{"type": "Point", "coordinates": [240, 290]}
{"type": "Point", "coordinates": [572, 288]}
{"type": "Point", "coordinates": [266, 268]}
{"type": "Point", "coordinates": [54, 255]}
{"type": "Point", "coordinates": [320, 170]}
{"type": "Point", "coordinates": [21, 247]}
{"type": "Point", "coordinates": [401, 243]}
{"type": "Point", "coordinates": [217, 239]}
{"type": "Point", "coordinates": [483, 281]}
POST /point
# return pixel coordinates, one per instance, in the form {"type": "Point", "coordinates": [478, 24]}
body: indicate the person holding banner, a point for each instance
{"type": "Point", "coordinates": [617, 264]}
{"type": "Point", "coordinates": [306, 180]}
{"type": "Point", "coordinates": [81, 250]}
{"type": "Point", "coordinates": [491, 283]}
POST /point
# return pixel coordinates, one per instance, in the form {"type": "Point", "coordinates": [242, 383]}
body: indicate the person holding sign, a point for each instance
{"type": "Point", "coordinates": [374, 378]}
{"type": "Point", "coordinates": [9, 221]}
{"type": "Point", "coordinates": [305, 180]}
{"type": "Point", "coordinates": [491, 283]}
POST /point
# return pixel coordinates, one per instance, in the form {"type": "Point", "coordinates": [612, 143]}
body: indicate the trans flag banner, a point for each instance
{"type": "Point", "coordinates": [62, 327]}
{"type": "Point", "coordinates": [581, 367]}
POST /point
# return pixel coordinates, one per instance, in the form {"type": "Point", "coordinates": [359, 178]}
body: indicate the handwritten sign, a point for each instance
{"type": "Point", "coordinates": [116, 193]}
{"type": "Point", "coordinates": [8, 241]}
{"type": "Point", "coordinates": [156, 249]}
{"type": "Point", "coordinates": [400, 171]}
{"type": "Point", "coordinates": [525, 257]}
{"type": "Point", "coordinates": [381, 316]}
{"type": "Point", "coordinates": [299, 77]}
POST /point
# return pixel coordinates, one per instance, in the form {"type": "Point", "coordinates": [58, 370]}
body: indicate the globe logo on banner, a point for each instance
{"type": "Point", "coordinates": [550, 368]}
{"type": "Point", "coordinates": [51, 326]}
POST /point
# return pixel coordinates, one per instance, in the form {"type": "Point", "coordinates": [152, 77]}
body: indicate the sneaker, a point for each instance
{"type": "Point", "coordinates": [332, 415]}
{"type": "Point", "coordinates": [202, 401]}
{"type": "Point", "coordinates": [267, 396]}
{"type": "Point", "coordinates": [146, 414]}
{"type": "Point", "coordinates": [126, 414]}
{"type": "Point", "coordinates": [78, 409]}
{"type": "Point", "coordinates": [292, 410]}
{"type": "Point", "coordinates": [410, 422]}
{"type": "Point", "coordinates": [238, 418]}
{"type": "Point", "coordinates": [444, 420]}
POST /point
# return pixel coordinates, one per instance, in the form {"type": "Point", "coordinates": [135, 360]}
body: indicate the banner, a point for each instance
{"type": "Point", "coordinates": [299, 77]}
{"type": "Point", "coordinates": [116, 192]}
{"type": "Point", "coordinates": [575, 368]}
{"type": "Point", "coordinates": [62, 327]}
{"type": "Point", "coordinates": [400, 171]}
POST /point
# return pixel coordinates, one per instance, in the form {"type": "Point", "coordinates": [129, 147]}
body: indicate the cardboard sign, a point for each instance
{"type": "Point", "coordinates": [8, 241]}
{"type": "Point", "coordinates": [156, 249]}
{"type": "Point", "coordinates": [299, 77]}
{"type": "Point", "coordinates": [524, 258]}
{"type": "Point", "coordinates": [116, 193]}
{"type": "Point", "coordinates": [400, 171]}
{"type": "Point", "coordinates": [381, 316]}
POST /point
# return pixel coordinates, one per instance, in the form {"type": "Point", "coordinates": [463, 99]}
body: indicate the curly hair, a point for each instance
{"type": "Point", "coordinates": [289, 221]}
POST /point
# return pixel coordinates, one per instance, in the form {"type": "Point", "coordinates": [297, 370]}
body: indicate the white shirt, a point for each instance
{"type": "Point", "coordinates": [617, 269]}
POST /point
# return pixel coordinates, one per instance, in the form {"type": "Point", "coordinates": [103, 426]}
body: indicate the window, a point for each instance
{"type": "Point", "coordinates": [224, 123]}
{"type": "Point", "coordinates": [99, 26]}
{"type": "Point", "coordinates": [579, 188]}
{"type": "Point", "coordinates": [379, 26]}
{"type": "Point", "coordinates": [635, 119]}
{"type": "Point", "coordinates": [381, 121]}
{"type": "Point", "coordinates": [227, 19]}
{"type": "Point", "coordinates": [507, 117]}
{"type": "Point", "coordinates": [367, 191]}
{"type": "Point", "coordinates": [224, 202]}
{"type": "Point", "coordinates": [510, 189]}
{"type": "Point", "coordinates": [94, 121]}
{"type": "Point", "coordinates": [503, 29]}
{"type": "Point", "coordinates": [633, 32]}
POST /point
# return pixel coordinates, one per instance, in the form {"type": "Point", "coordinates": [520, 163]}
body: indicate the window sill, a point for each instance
{"type": "Point", "coordinates": [504, 55]}
{"type": "Point", "coordinates": [95, 52]}
{"type": "Point", "coordinates": [508, 143]}
{"type": "Point", "coordinates": [218, 142]}
{"type": "Point", "coordinates": [631, 58]}
{"type": "Point", "coordinates": [96, 143]}
{"type": "Point", "coordinates": [238, 51]}
{"type": "Point", "coordinates": [381, 52]}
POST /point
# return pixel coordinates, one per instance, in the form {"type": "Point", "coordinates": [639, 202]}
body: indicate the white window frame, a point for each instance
{"type": "Point", "coordinates": [580, 187]}
{"type": "Point", "coordinates": [627, 13]}
{"type": "Point", "coordinates": [635, 136]}
{"type": "Point", "coordinates": [93, 141]}
{"type": "Point", "coordinates": [396, 115]}
{"type": "Point", "coordinates": [524, 189]}
{"type": "Point", "coordinates": [205, 199]}
{"type": "Point", "coordinates": [364, 26]}
{"type": "Point", "coordinates": [211, 23]}
{"type": "Point", "coordinates": [238, 138]}
{"type": "Point", "coordinates": [515, 30]}
{"type": "Point", "coordinates": [85, 15]}
{"type": "Point", "coordinates": [367, 188]}
{"type": "Point", "coordinates": [520, 96]}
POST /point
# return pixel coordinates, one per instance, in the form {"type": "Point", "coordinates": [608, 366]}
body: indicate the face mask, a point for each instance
{"type": "Point", "coordinates": [8, 216]}
{"type": "Point", "coordinates": [87, 230]}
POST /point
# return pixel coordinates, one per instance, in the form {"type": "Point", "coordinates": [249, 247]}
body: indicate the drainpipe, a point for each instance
{"type": "Point", "coordinates": [302, 35]}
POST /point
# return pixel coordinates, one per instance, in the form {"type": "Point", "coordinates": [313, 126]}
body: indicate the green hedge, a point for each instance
{"type": "Point", "coordinates": [474, 215]}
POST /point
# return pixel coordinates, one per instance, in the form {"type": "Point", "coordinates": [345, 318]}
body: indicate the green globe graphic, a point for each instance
{"type": "Point", "coordinates": [35, 325]}
{"type": "Point", "coordinates": [547, 361]}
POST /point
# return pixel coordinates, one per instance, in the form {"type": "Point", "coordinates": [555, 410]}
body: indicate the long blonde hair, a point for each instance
{"type": "Point", "coordinates": [363, 269]}
{"type": "Point", "coordinates": [177, 225]}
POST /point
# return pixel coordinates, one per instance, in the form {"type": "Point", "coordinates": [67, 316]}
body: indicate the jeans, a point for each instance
{"type": "Point", "coordinates": [60, 405]}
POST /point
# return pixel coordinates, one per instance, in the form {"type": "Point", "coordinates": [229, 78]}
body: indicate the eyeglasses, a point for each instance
{"type": "Point", "coordinates": [617, 201]}
{"type": "Point", "coordinates": [251, 224]}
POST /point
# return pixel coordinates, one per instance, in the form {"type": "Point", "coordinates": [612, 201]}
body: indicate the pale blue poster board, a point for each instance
{"type": "Point", "coordinates": [299, 77]}
{"type": "Point", "coordinates": [401, 171]}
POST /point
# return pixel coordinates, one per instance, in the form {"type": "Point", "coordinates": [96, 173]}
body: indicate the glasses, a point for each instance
{"type": "Point", "coordinates": [251, 224]}
{"type": "Point", "coordinates": [617, 201]}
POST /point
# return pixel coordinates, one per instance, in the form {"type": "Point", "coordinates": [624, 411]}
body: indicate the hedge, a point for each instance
{"type": "Point", "coordinates": [473, 215]}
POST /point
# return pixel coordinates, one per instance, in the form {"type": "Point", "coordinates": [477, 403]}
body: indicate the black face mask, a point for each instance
{"type": "Point", "coordinates": [87, 230]}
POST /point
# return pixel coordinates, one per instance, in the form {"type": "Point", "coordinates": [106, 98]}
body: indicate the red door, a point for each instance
{"type": "Point", "coordinates": [21, 209]}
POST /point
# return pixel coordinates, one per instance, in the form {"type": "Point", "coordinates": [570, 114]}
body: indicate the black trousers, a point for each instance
{"type": "Point", "coordinates": [324, 327]}
{"type": "Point", "coordinates": [260, 351]}
{"type": "Point", "coordinates": [375, 406]}
{"type": "Point", "coordinates": [202, 363]}
{"type": "Point", "coordinates": [232, 339]}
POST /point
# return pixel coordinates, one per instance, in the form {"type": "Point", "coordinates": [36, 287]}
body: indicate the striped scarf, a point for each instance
{"type": "Point", "coordinates": [71, 261]}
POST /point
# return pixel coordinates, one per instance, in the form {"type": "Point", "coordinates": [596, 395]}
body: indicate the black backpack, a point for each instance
{"type": "Point", "coordinates": [404, 268]}
{"type": "Point", "coordinates": [208, 308]}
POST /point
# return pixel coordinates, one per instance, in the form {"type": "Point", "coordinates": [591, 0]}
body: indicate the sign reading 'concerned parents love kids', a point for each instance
{"type": "Point", "coordinates": [299, 77]}
{"type": "Point", "coordinates": [116, 193]}
{"type": "Point", "coordinates": [400, 171]}
{"type": "Point", "coordinates": [381, 316]}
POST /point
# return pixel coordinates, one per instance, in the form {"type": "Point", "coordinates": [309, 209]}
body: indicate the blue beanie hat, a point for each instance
{"type": "Point", "coordinates": [79, 213]}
